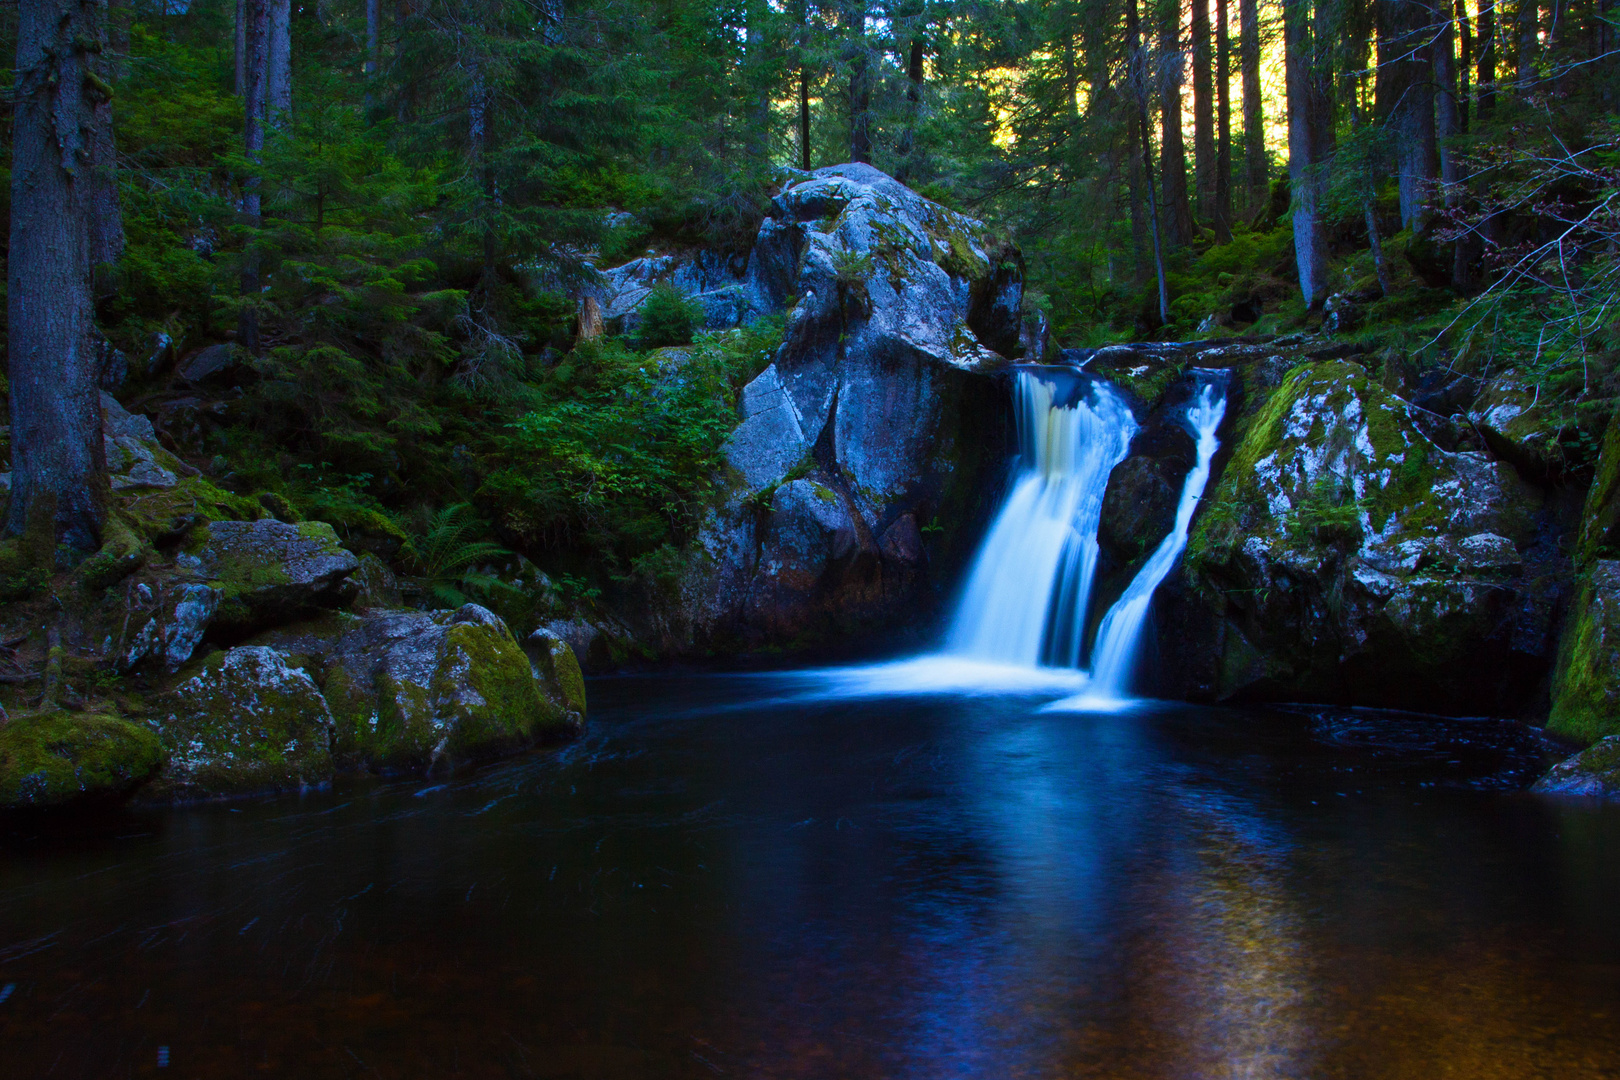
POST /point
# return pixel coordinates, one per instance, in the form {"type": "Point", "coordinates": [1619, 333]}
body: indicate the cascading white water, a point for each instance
{"type": "Point", "coordinates": [1119, 636]}
{"type": "Point", "coordinates": [1026, 597]}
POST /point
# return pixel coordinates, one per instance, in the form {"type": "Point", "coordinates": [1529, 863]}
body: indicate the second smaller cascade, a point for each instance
{"type": "Point", "coordinates": [1119, 636]}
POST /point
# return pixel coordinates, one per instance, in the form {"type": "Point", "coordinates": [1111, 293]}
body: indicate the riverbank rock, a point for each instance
{"type": "Point", "coordinates": [60, 758]}
{"type": "Point", "coordinates": [1586, 685]}
{"type": "Point", "coordinates": [1594, 772]}
{"type": "Point", "coordinates": [1351, 559]}
{"type": "Point", "coordinates": [862, 455]}
{"type": "Point", "coordinates": [413, 690]}
{"type": "Point", "coordinates": [246, 723]}
{"type": "Point", "coordinates": [268, 571]}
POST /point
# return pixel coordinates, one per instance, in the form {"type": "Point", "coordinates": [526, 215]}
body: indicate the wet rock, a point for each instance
{"type": "Point", "coordinates": [171, 635]}
{"type": "Point", "coordinates": [1519, 429]}
{"type": "Point", "coordinates": [557, 669]}
{"type": "Point", "coordinates": [1586, 685]}
{"type": "Point", "coordinates": [1359, 562]}
{"type": "Point", "coordinates": [878, 396]}
{"type": "Point", "coordinates": [1594, 772]}
{"type": "Point", "coordinates": [412, 690]}
{"type": "Point", "coordinates": [376, 585]}
{"type": "Point", "coordinates": [270, 571]}
{"type": "Point", "coordinates": [247, 722]}
{"type": "Point", "coordinates": [60, 758]}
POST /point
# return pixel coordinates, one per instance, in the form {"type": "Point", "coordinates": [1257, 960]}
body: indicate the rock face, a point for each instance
{"type": "Point", "coordinates": [268, 570]}
{"type": "Point", "coordinates": [1349, 558]}
{"type": "Point", "coordinates": [62, 758]}
{"type": "Point", "coordinates": [721, 284]}
{"type": "Point", "coordinates": [876, 418]}
{"type": "Point", "coordinates": [1594, 772]}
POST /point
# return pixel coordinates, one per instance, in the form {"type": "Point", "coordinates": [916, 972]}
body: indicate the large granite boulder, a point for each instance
{"type": "Point", "coordinates": [411, 690]}
{"type": "Point", "coordinates": [60, 758]}
{"type": "Point", "coordinates": [876, 419]}
{"type": "Point", "coordinates": [1349, 558]}
{"type": "Point", "coordinates": [1586, 685]}
{"type": "Point", "coordinates": [269, 571]}
{"type": "Point", "coordinates": [246, 722]}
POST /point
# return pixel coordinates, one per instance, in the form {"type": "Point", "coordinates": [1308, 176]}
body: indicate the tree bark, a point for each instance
{"type": "Point", "coordinates": [257, 13]}
{"type": "Point", "coordinates": [59, 470]}
{"type": "Point", "coordinates": [480, 139]}
{"type": "Point", "coordinates": [1380, 268]}
{"type": "Point", "coordinates": [1256, 167]}
{"type": "Point", "coordinates": [1203, 111]}
{"type": "Point", "coordinates": [908, 135]}
{"type": "Point", "coordinates": [804, 117]}
{"type": "Point", "coordinates": [1178, 219]}
{"type": "Point", "coordinates": [1310, 142]}
{"type": "Point", "coordinates": [1404, 95]}
{"type": "Point", "coordinates": [1486, 72]}
{"type": "Point", "coordinates": [860, 85]}
{"type": "Point", "coordinates": [278, 73]}
{"type": "Point", "coordinates": [106, 222]}
{"type": "Point", "coordinates": [373, 35]}
{"type": "Point", "coordinates": [1223, 127]}
{"type": "Point", "coordinates": [240, 84]}
{"type": "Point", "coordinates": [1137, 65]}
{"type": "Point", "coordinates": [1465, 63]}
{"type": "Point", "coordinates": [1526, 28]}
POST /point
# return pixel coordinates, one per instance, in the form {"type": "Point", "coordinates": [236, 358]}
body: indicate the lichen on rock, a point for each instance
{"type": "Point", "coordinates": [246, 722]}
{"type": "Point", "coordinates": [1594, 772]}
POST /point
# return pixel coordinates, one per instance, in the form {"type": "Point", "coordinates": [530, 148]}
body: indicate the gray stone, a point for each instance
{"type": "Point", "coordinates": [269, 570]}
{"type": "Point", "coordinates": [246, 722]}
{"type": "Point", "coordinates": [145, 474]}
{"type": "Point", "coordinates": [209, 362]}
{"type": "Point", "coordinates": [169, 636]}
{"type": "Point", "coordinates": [770, 441]}
{"type": "Point", "coordinates": [1594, 772]}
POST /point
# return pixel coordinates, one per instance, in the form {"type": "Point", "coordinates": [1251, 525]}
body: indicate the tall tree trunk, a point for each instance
{"type": "Point", "coordinates": [257, 13]}
{"type": "Point", "coordinates": [1448, 128]}
{"type": "Point", "coordinates": [1223, 127]}
{"type": "Point", "coordinates": [1380, 268]}
{"type": "Point", "coordinates": [1203, 111]}
{"type": "Point", "coordinates": [1178, 223]}
{"type": "Point", "coordinates": [908, 135]}
{"type": "Point", "coordinates": [860, 84]}
{"type": "Point", "coordinates": [1404, 93]}
{"type": "Point", "coordinates": [373, 35]}
{"type": "Point", "coordinates": [1465, 63]}
{"type": "Point", "coordinates": [1256, 168]}
{"type": "Point", "coordinates": [1526, 31]}
{"type": "Point", "coordinates": [240, 84]}
{"type": "Point", "coordinates": [1140, 254]}
{"type": "Point", "coordinates": [1310, 142]}
{"type": "Point", "coordinates": [59, 470]}
{"type": "Point", "coordinates": [804, 117]}
{"type": "Point", "coordinates": [1139, 78]}
{"type": "Point", "coordinates": [480, 141]}
{"type": "Point", "coordinates": [1486, 73]}
{"type": "Point", "coordinates": [278, 72]}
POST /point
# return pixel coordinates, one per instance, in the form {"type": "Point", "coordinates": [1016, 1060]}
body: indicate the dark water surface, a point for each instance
{"type": "Point", "coordinates": [946, 887]}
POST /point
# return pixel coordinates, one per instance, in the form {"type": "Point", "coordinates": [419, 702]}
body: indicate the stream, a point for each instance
{"type": "Point", "coordinates": [771, 875]}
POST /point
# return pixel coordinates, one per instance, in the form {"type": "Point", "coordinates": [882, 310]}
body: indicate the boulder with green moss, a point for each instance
{"type": "Point", "coordinates": [412, 689]}
{"type": "Point", "coordinates": [1594, 772]}
{"type": "Point", "coordinates": [1349, 558]}
{"type": "Point", "coordinates": [557, 669]}
{"type": "Point", "coordinates": [1586, 685]}
{"type": "Point", "coordinates": [60, 758]}
{"type": "Point", "coordinates": [247, 722]}
{"type": "Point", "coordinates": [270, 571]}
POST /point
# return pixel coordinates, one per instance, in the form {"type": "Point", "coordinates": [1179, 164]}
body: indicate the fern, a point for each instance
{"type": "Point", "coordinates": [444, 554]}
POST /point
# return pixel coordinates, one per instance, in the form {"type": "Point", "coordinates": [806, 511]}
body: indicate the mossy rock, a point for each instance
{"type": "Point", "coordinates": [1586, 683]}
{"type": "Point", "coordinates": [1600, 521]}
{"type": "Point", "coordinates": [247, 722]}
{"type": "Point", "coordinates": [1594, 771]}
{"type": "Point", "coordinates": [59, 758]}
{"type": "Point", "coordinates": [557, 668]}
{"type": "Point", "coordinates": [269, 571]}
{"type": "Point", "coordinates": [483, 691]}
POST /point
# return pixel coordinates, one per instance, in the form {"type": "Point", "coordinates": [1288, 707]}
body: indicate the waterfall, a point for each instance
{"type": "Point", "coordinates": [1026, 597]}
{"type": "Point", "coordinates": [1120, 634]}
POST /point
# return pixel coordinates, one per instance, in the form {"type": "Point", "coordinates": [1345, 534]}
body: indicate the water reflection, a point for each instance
{"type": "Point", "coordinates": [909, 886]}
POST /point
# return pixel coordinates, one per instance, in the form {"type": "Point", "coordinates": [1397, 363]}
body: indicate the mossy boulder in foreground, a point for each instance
{"type": "Point", "coordinates": [246, 722]}
{"type": "Point", "coordinates": [59, 758]}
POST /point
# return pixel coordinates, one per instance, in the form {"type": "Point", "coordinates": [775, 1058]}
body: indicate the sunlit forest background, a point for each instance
{"type": "Point", "coordinates": [391, 208]}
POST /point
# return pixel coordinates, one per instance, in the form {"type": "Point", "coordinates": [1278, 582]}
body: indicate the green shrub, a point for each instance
{"type": "Point", "coordinates": [668, 317]}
